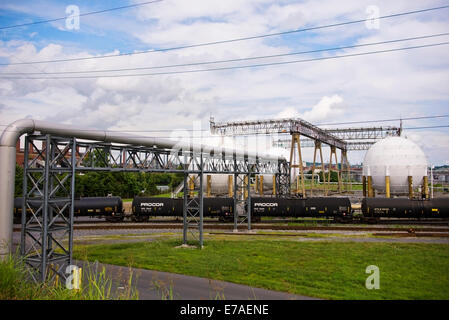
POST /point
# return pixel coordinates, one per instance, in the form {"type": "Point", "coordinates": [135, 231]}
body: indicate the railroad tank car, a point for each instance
{"type": "Point", "coordinates": [212, 207]}
{"type": "Point", "coordinates": [436, 208]}
{"type": "Point", "coordinates": [296, 207]}
{"type": "Point", "coordinates": [276, 207]}
{"type": "Point", "coordinates": [327, 207]}
{"type": "Point", "coordinates": [405, 208]}
{"type": "Point", "coordinates": [109, 207]}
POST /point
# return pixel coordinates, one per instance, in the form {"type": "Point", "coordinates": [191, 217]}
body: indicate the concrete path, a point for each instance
{"type": "Point", "coordinates": [157, 285]}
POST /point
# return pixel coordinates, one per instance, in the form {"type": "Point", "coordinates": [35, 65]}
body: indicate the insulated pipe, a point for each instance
{"type": "Point", "coordinates": [11, 135]}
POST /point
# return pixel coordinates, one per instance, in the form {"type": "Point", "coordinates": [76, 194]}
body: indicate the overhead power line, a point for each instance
{"type": "Point", "coordinates": [430, 127]}
{"type": "Point", "coordinates": [232, 67]}
{"type": "Point", "coordinates": [81, 15]}
{"type": "Point", "coordinates": [231, 60]}
{"type": "Point", "coordinates": [384, 120]}
{"type": "Point", "coordinates": [232, 40]}
{"type": "Point", "coordinates": [340, 123]}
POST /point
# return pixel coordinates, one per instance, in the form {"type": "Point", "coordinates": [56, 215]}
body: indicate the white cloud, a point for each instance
{"type": "Point", "coordinates": [372, 87]}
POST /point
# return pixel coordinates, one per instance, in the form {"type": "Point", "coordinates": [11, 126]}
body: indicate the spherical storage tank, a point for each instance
{"type": "Point", "coordinates": [398, 158]}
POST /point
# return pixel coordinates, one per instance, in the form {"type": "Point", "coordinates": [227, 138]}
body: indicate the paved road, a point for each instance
{"type": "Point", "coordinates": [156, 285]}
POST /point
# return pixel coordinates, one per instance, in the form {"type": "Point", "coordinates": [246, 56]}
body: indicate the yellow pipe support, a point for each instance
{"type": "Point", "coordinates": [426, 187]}
{"type": "Point", "coordinates": [208, 185]}
{"type": "Point", "coordinates": [364, 186]}
{"type": "Point", "coordinates": [256, 187]}
{"type": "Point", "coordinates": [261, 185]}
{"type": "Point", "coordinates": [245, 185]}
{"type": "Point", "coordinates": [274, 185]}
{"type": "Point", "coordinates": [230, 186]}
{"type": "Point", "coordinates": [370, 187]}
{"type": "Point", "coordinates": [410, 187]}
{"type": "Point", "coordinates": [387, 186]}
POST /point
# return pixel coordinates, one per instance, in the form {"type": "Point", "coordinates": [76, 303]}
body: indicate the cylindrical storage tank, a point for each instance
{"type": "Point", "coordinates": [397, 158]}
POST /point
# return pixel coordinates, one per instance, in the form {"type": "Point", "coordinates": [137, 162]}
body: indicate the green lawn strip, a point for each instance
{"type": "Point", "coordinates": [334, 270]}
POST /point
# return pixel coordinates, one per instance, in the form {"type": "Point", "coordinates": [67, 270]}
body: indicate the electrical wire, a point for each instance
{"type": "Point", "coordinates": [230, 68]}
{"type": "Point", "coordinates": [231, 60]}
{"type": "Point", "coordinates": [232, 40]}
{"type": "Point", "coordinates": [81, 15]}
{"type": "Point", "coordinates": [384, 120]}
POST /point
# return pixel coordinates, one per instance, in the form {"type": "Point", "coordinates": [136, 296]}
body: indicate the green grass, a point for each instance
{"type": "Point", "coordinates": [14, 285]}
{"type": "Point", "coordinates": [334, 270]}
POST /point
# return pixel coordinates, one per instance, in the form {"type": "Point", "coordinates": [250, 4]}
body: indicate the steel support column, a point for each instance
{"type": "Point", "coordinates": [47, 209]}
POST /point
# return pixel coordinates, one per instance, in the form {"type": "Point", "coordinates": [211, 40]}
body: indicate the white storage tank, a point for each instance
{"type": "Point", "coordinates": [398, 158]}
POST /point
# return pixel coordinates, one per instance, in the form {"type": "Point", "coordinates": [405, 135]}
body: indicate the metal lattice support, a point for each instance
{"type": "Point", "coordinates": [282, 179]}
{"type": "Point", "coordinates": [48, 184]}
{"type": "Point", "coordinates": [49, 179]}
{"type": "Point", "coordinates": [242, 200]}
{"type": "Point", "coordinates": [193, 207]}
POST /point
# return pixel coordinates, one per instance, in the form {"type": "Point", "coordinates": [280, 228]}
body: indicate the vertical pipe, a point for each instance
{"type": "Point", "coordinates": [261, 185]}
{"type": "Point", "coordinates": [7, 180]}
{"type": "Point", "coordinates": [410, 187]}
{"type": "Point", "coordinates": [72, 199]}
{"type": "Point", "coordinates": [274, 184]}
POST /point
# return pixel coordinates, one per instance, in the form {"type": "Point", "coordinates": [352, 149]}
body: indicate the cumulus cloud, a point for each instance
{"type": "Point", "coordinates": [359, 88]}
{"type": "Point", "coordinates": [325, 109]}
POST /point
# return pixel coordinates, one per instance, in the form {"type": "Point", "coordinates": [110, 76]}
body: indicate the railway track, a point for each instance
{"type": "Point", "coordinates": [430, 222]}
{"type": "Point", "coordinates": [258, 226]}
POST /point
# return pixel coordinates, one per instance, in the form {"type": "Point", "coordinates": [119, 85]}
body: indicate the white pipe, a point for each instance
{"type": "Point", "coordinates": [13, 132]}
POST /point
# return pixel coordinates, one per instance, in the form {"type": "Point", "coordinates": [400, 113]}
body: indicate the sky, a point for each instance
{"type": "Point", "coordinates": [392, 85]}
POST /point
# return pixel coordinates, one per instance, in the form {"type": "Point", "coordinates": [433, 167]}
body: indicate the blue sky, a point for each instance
{"type": "Point", "coordinates": [402, 84]}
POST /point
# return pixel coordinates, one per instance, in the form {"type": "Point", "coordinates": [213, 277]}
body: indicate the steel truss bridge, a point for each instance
{"type": "Point", "coordinates": [356, 139]}
{"type": "Point", "coordinates": [55, 154]}
{"type": "Point", "coordinates": [344, 139]}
